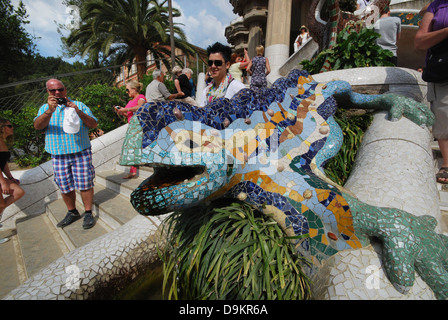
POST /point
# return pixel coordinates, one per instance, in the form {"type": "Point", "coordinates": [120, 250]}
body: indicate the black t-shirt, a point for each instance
{"type": "Point", "coordinates": [185, 85]}
{"type": "Point", "coordinates": [4, 158]}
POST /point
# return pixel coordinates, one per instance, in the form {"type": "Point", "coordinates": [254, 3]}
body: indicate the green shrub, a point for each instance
{"type": "Point", "coordinates": [355, 48]}
{"type": "Point", "coordinates": [32, 161]}
{"type": "Point", "coordinates": [101, 99]}
{"type": "Point", "coordinates": [26, 139]}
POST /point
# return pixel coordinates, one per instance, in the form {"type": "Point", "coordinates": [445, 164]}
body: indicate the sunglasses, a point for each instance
{"type": "Point", "coordinates": [9, 126]}
{"type": "Point", "coordinates": [127, 90]}
{"type": "Point", "coordinates": [217, 63]}
{"type": "Point", "coordinates": [54, 90]}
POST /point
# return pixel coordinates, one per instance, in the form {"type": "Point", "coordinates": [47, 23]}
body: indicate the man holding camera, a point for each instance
{"type": "Point", "coordinates": [66, 124]}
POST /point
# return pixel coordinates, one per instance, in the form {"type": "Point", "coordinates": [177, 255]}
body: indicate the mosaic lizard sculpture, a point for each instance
{"type": "Point", "coordinates": [268, 150]}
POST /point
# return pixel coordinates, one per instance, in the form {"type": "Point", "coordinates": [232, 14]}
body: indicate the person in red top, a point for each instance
{"type": "Point", "coordinates": [133, 89]}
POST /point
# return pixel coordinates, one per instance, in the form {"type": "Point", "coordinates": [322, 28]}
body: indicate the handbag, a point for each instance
{"type": "Point", "coordinates": [437, 63]}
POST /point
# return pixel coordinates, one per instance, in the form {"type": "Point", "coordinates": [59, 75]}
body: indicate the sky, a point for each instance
{"type": "Point", "coordinates": [204, 22]}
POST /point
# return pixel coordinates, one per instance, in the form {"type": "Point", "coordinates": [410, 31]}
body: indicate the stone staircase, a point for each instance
{"type": "Point", "coordinates": [36, 242]}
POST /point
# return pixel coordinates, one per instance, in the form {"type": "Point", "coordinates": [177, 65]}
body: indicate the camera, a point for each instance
{"type": "Point", "coordinates": [117, 107]}
{"type": "Point", "coordinates": [62, 100]}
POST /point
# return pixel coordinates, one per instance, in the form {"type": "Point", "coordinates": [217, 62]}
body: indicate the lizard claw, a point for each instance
{"type": "Point", "coordinates": [402, 289]}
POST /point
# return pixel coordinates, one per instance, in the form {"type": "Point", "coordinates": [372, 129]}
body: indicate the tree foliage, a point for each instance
{"type": "Point", "coordinates": [16, 45]}
{"type": "Point", "coordinates": [121, 30]}
{"type": "Point", "coordinates": [28, 145]}
{"type": "Point", "coordinates": [101, 99]}
{"type": "Point", "coordinates": [21, 62]}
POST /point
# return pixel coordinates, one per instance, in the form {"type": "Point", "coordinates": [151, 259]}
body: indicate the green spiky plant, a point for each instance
{"type": "Point", "coordinates": [353, 128]}
{"type": "Point", "coordinates": [230, 251]}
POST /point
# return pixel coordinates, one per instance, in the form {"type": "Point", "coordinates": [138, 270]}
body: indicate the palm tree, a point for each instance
{"type": "Point", "coordinates": [121, 30]}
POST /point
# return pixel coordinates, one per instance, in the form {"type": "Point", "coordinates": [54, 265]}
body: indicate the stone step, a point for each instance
{"type": "Point", "coordinates": [112, 194]}
{"type": "Point", "coordinates": [74, 235]}
{"type": "Point", "coordinates": [40, 244]}
{"type": "Point", "coordinates": [114, 181]}
{"type": "Point", "coordinates": [37, 241]}
{"type": "Point", "coordinates": [112, 209]}
{"type": "Point", "coordinates": [11, 275]}
{"type": "Point", "coordinates": [443, 194]}
{"type": "Point", "coordinates": [34, 244]}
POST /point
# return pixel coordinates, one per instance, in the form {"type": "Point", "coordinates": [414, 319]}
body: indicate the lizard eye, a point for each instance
{"type": "Point", "coordinates": [191, 144]}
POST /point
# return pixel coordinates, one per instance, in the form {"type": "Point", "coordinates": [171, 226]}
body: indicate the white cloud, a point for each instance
{"type": "Point", "coordinates": [202, 27]}
{"type": "Point", "coordinates": [211, 29]}
{"type": "Point", "coordinates": [225, 8]}
{"type": "Point", "coordinates": [204, 21]}
{"type": "Point", "coordinates": [43, 17]}
{"type": "Point", "coordinates": [42, 14]}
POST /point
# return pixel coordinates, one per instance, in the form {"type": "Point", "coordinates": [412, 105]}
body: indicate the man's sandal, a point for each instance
{"type": "Point", "coordinates": [442, 174]}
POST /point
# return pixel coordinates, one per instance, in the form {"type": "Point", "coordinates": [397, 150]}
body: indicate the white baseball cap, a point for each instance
{"type": "Point", "coordinates": [72, 122]}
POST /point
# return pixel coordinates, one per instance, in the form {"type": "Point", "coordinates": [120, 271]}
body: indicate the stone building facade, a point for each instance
{"type": "Point", "coordinates": [273, 23]}
{"type": "Point", "coordinates": [276, 23]}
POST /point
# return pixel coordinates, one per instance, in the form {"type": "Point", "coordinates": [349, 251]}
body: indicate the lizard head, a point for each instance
{"type": "Point", "coordinates": [196, 151]}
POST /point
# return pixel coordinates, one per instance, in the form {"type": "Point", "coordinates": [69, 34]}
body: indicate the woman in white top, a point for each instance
{"type": "Point", "coordinates": [362, 4]}
{"type": "Point", "coordinates": [301, 38]}
{"type": "Point", "coordinates": [222, 85]}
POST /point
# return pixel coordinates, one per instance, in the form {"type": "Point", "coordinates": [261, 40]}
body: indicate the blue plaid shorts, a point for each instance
{"type": "Point", "coordinates": [74, 171]}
